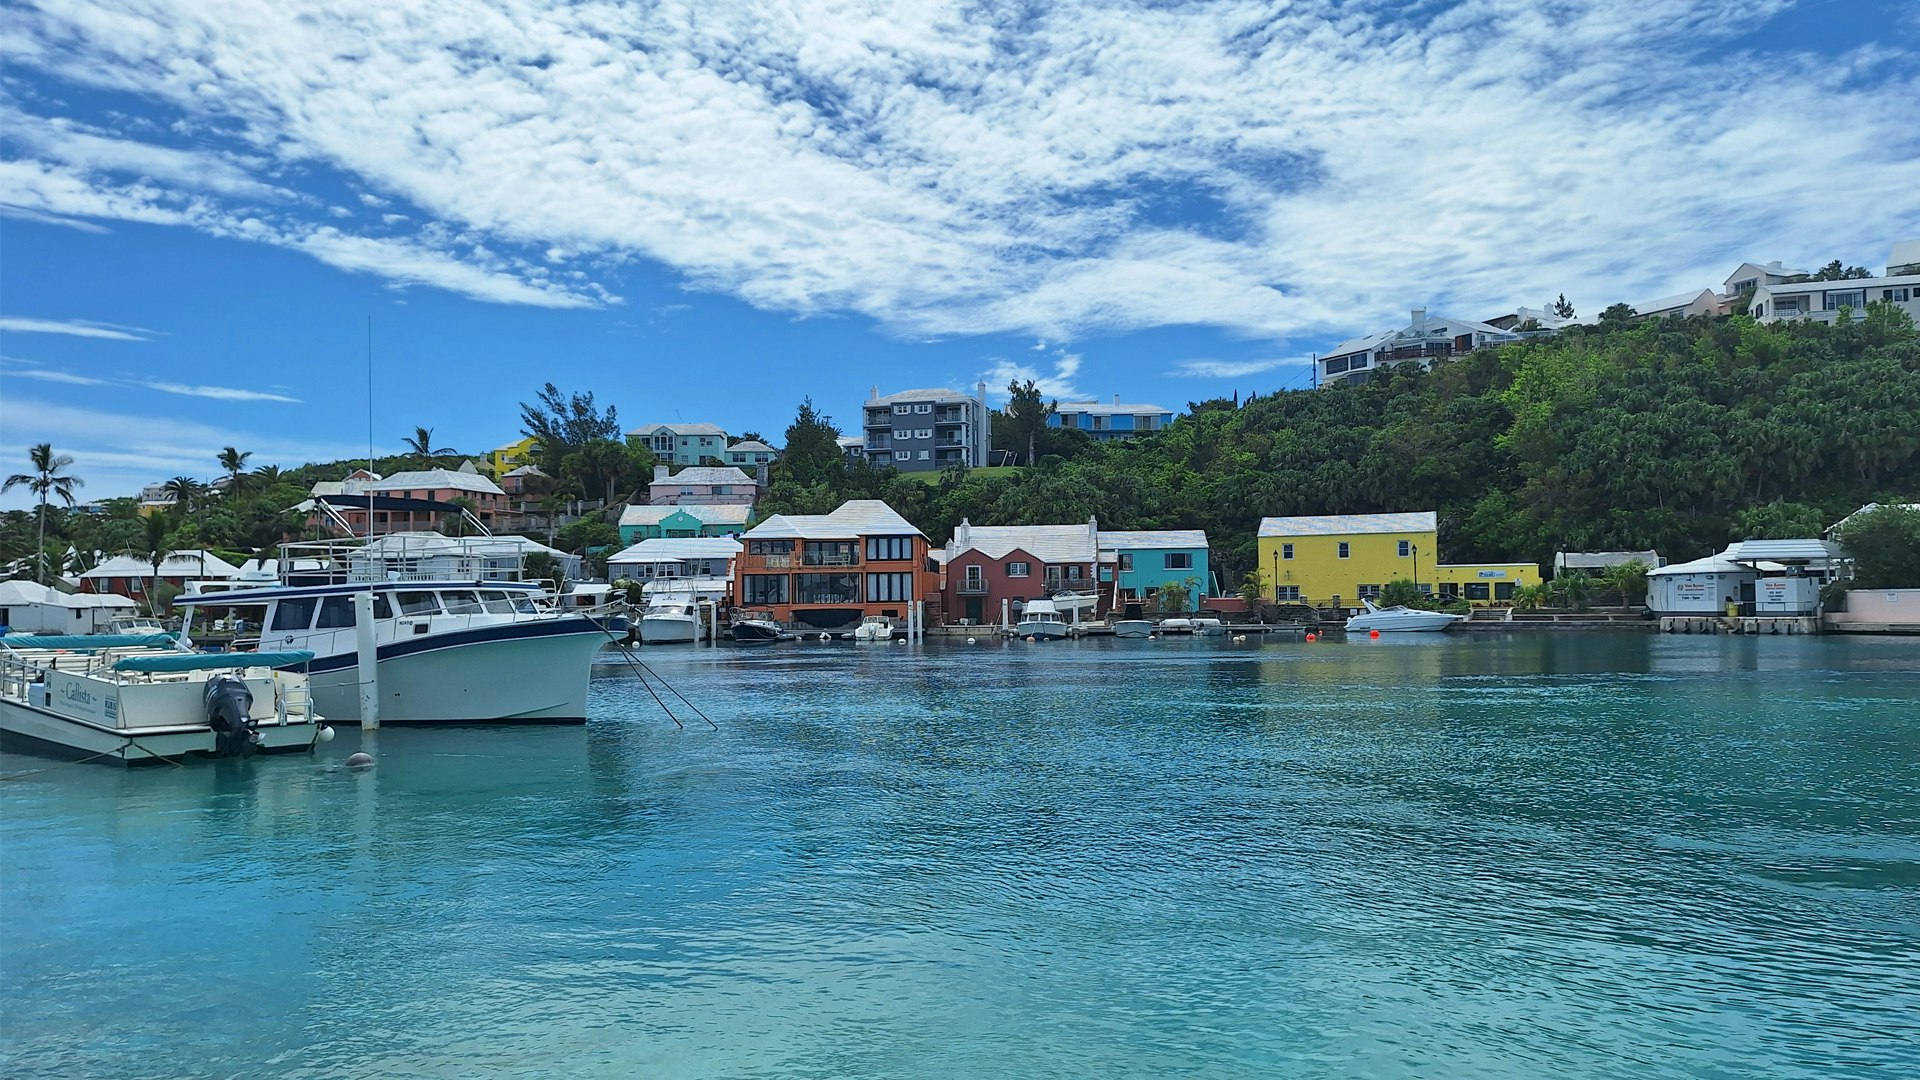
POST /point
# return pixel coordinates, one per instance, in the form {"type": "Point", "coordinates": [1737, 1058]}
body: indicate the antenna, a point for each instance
{"type": "Point", "coordinates": [369, 429]}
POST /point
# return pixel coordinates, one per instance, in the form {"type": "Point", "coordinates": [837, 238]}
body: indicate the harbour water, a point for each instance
{"type": "Point", "coordinates": [1572, 856]}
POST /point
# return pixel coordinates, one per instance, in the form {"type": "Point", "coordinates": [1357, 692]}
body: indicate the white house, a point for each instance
{"type": "Point", "coordinates": [1751, 276]}
{"type": "Point", "coordinates": [1822, 301]}
{"type": "Point", "coordinates": [1686, 304]}
{"type": "Point", "coordinates": [1422, 341]}
{"type": "Point", "coordinates": [749, 453]}
{"type": "Point", "coordinates": [694, 560]}
{"type": "Point", "coordinates": [28, 607]}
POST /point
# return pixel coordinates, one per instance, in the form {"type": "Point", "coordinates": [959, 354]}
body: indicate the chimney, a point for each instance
{"type": "Point", "coordinates": [760, 475]}
{"type": "Point", "coordinates": [1116, 399]}
{"type": "Point", "coordinates": [980, 391]}
{"type": "Point", "coordinates": [659, 473]}
{"type": "Point", "coordinates": [1420, 322]}
{"type": "Point", "coordinates": [873, 393]}
{"type": "Point", "coordinates": [962, 535]}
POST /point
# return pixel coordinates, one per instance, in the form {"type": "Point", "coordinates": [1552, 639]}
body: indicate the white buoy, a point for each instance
{"type": "Point", "coordinates": [325, 733]}
{"type": "Point", "coordinates": [970, 641]}
{"type": "Point", "coordinates": [360, 761]}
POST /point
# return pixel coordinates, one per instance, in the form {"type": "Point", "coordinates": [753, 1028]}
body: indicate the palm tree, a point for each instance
{"type": "Point", "coordinates": [421, 446]}
{"type": "Point", "coordinates": [49, 481]}
{"type": "Point", "coordinates": [267, 475]}
{"type": "Point", "coordinates": [154, 541]}
{"type": "Point", "coordinates": [186, 492]}
{"type": "Point", "coordinates": [234, 462]}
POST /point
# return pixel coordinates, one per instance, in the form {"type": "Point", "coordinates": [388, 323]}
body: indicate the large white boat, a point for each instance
{"type": "Point", "coordinates": [134, 698]}
{"type": "Point", "coordinates": [874, 628]}
{"type": "Point", "coordinates": [1041, 620]}
{"type": "Point", "coordinates": [458, 636]}
{"type": "Point", "coordinates": [671, 620]}
{"type": "Point", "coordinates": [1400, 619]}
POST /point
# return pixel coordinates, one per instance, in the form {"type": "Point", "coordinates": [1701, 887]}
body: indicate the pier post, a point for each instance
{"type": "Point", "coordinates": [368, 660]}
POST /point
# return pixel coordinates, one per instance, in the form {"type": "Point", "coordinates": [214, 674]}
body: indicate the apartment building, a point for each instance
{"type": "Point", "coordinates": [1104, 420]}
{"type": "Point", "coordinates": [926, 430]}
{"type": "Point", "coordinates": [681, 444]}
{"type": "Point", "coordinates": [828, 571]}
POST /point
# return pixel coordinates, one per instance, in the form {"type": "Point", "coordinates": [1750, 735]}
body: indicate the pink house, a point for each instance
{"type": "Point", "coordinates": [701, 485]}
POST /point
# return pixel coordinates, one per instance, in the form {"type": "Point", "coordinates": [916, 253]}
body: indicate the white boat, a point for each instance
{"type": "Point", "coordinates": [1041, 621]}
{"type": "Point", "coordinates": [670, 620]}
{"type": "Point", "coordinates": [135, 698]}
{"type": "Point", "coordinates": [1133, 628]}
{"type": "Point", "coordinates": [458, 636]}
{"type": "Point", "coordinates": [1205, 626]}
{"type": "Point", "coordinates": [1178, 625]}
{"type": "Point", "coordinates": [1067, 603]}
{"type": "Point", "coordinates": [1400, 619]}
{"type": "Point", "coordinates": [874, 628]}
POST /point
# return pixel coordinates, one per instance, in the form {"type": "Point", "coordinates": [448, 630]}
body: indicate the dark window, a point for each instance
{"type": "Point", "coordinates": [1477, 590]}
{"type": "Point", "coordinates": [889, 587]}
{"type": "Point", "coordinates": [826, 588]}
{"type": "Point", "coordinates": [419, 603]}
{"type": "Point", "coordinates": [496, 602]}
{"type": "Point", "coordinates": [1179, 560]}
{"type": "Point", "coordinates": [1126, 562]}
{"type": "Point", "coordinates": [1406, 548]}
{"type": "Point", "coordinates": [769, 547]}
{"type": "Point", "coordinates": [461, 602]}
{"type": "Point", "coordinates": [1503, 590]}
{"type": "Point", "coordinates": [889, 547]}
{"type": "Point", "coordinates": [295, 614]}
{"type": "Point", "coordinates": [1346, 549]}
{"type": "Point", "coordinates": [828, 553]}
{"type": "Point", "coordinates": [1449, 590]}
{"type": "Point", "coordinates": [336, 613]}
{"type": "Point", "coordinates": [382, 607]}
{"type": "Point", "coordinates": [762, 589]}
{"type": "Point", "coordinates": [1286, 551]}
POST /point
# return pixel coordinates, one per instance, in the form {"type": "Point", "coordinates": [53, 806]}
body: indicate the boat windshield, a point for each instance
{"type": "Point", "coordinates": [418, 603]}
{"type": "Point", "coordinates": [461, 602]}
{"type": "Point", "coordinates": [496, 601]}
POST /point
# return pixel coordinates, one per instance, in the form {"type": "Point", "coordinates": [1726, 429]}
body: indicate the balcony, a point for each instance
{"type": "Point", "coordinates": [769, 562]}
{"type": "Point", "coordinates": [950, 416]}
{"type": "Point", "coordinates": [971, 588]}
{"type": "Point", "coordinates": [828, 560]}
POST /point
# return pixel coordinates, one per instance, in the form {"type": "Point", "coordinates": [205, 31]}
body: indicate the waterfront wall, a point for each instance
{"type": "Point", "coordinates": [1871, 610]}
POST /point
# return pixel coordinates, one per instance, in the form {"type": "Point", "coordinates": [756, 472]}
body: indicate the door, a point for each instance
{"type": "Point", "coordinates": [975, 609]}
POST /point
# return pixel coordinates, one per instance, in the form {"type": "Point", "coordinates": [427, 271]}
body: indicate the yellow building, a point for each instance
{"type": "Point", "coordinates": [1335, 560]}
{"type": "Point", "coordinates": [507, 458]}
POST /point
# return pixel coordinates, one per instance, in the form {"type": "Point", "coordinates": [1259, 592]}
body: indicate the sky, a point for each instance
{"type": "Point", "coordinates": [298, 228]}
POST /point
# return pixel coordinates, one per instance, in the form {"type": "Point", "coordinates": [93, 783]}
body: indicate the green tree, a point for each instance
{"type": "Point", "coordinates": [1627, 580]}
{"type": "Point", "coordinates": [1561, 308]}
{"type": "Point", "coordinates": [1834, 271]}
{"type": "Point", "coordinates": [563, 423]}
{"type": "Point", "coordinates": [186, 493]}
{"type": "Point", "coordinates": [48, 480]}
{"type": "Point", "coordinates": [1617, 314]}
{"type": "Point", "coordinates": [154, 548]}
{"type": "Point", "coordinates": [1026, 417]}
{"type": "Point", "coordinates": [1884, 543]}
{"type": "Point", "coordinates": [813, 454]}
{"type": "Point", "coordinates": [1400, 593]}
{"type": "Point", "coordinates": [420, 447]}
{"type": "Point", "coordinates": [235, 463]}
{"type": "Point", "coordinates": [1779, 520]}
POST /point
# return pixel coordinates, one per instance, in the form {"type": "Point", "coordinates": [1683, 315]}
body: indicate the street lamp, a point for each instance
{"type": "Point", "coordinates": [1413, 549]}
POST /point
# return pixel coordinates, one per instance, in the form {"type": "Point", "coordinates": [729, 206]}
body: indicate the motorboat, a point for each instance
{"type": "Point", "coordinates": [756, 629]}
{"type": "Point", "coordinates": [1071, 603]}
{"type": "Point", "coordinates": [1041, 620]}
{"type": "Point", "coordinates": [1400, 618]}
{"type": "Point", "coordinates": [669, 621]}
{"type": "Point", "coordinates": [874, 628]}
{"type": "Point", "coordinates": [1176, 625]}
{"type": "Point", "coordinates": [459, 636]}
{"type": "Point", "coordinates": [1133, 628]}
{"type": "Point", "coordinates": [135, 698]}
{"type": "Point", "coordinates": [1205, 626]}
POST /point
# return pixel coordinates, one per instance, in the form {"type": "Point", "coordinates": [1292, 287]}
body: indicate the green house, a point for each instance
{"type": "Point", "coordinates": [639, 523]}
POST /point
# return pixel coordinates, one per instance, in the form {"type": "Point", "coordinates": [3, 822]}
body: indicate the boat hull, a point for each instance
{"type": "Point", "coordinates": [1133, 628]}
{"type": "Point", "coordinates": [1362, 624]}
{"type": "Point", "coordinates": [473, 677]}
{"type": "Point", "coordinates": [667, 629]}
{"type": "Point", "coordinates": [48, 732]}
{"type": "Point", "coordinates": [1041, 631]}
{"type": "Point", "coordinates": [756, 633]}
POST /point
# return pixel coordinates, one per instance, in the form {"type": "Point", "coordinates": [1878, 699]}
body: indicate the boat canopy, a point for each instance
{"type": "Point", "coordinates": [88, 642]}
{"type": "Point", "coordinates": [173, 662]}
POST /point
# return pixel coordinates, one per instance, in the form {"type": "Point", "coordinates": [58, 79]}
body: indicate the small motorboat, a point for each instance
{"type": "Point", "coordinates": [757, 629]}
{"type": "Point", "coordinates": [1041, 620]}
{"type": "Point", "coordinates": [1209, 627]}
{"type": "Point", "coordinates": [874, 628]}
{"type": "Point", "coordinates": [1176, 626]}
{"type": "Point", "coordinates": [134, 698]}
{"type": "Point", "coordinates": [669, 621]}
{"type": "Point", "coordinates": [1133, 628]}
{"type": "Point", "coordinates": [1400, 619]}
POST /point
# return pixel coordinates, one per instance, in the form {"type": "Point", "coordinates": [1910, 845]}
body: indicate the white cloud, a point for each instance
{"type": "Point", "coordinates": [45, 375]}
{"type": "Point", "coordinates": [218, 393]}
{"type": "Point", "coordinates": [1231, 369]}
{"type": "Point", "coordinates": [1055, 384]}
{"type": "Point", "coordinates": [1055, 170]}
{"type": "Point", "coordinates": [72, 327]}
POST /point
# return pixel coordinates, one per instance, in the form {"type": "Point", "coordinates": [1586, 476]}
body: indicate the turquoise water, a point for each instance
{"type": "Point", "coordinates": [1575, 856]}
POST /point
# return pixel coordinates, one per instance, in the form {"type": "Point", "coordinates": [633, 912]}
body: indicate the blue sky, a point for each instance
{"type": "Point", "coordinates": [706, 211]}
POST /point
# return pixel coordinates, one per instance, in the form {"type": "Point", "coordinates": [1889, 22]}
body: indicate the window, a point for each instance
{"type": "Point", "coordinates": [1898, 296]}
{"type": "Point", "coordinates": [1406, 548]}
{"type": "Point", "coordinates": [923, 408]}
{"type": "Point", "coordinates": [769, 547]}
{"type": "Point", "coordinates": [1126, 561]}
{"type": "Point", "coordinates": [336, 613]}
{"type": "Point", "coordinates": [1346, 549]}
{"type": "Point", "coordinates": [382, 609]}
{"type": "Point", "coordinates": [828, 553]}
{"type": "Point", "coordinates": [826, 588]}
{"type": "Point", "coordinates": [419, 603]}
{"type": "Point", "coordinates": [1477, 590]}
{"type": "Point", "coordinates": [890, 547]}
{"type": "Point", "coordinates": [496, 602]}
{"type": "Point", "coordinates": [295, 614]}
{"type": "Point", "coordinates": [1337, 365]}
{"type": "Point", "coordinates": [723, 489]}
{"type": "Point", "coordinates": [903, 410]}
{"type": "Point", "coordinates": [762, 589]}
{"type": "Point", "coordinates": [884, 588]}
{"type": "Point", "coordinates": [1073, 572]}
{"type": "Point", "coordinates": [1503, 590]}
{"type": "Point", "coordinates": [1287, 592]}
{"type": "Point", "coordinates": [1851, 298]}
{"type": "Point", "coordinates": [903, 455]}
{"type": "Point", "coordinates": [1019, 569]}
{"type": "Point", "coordinates": [923, 433]}
{"type": "Point", "coordinates": [974, 580]}
{"type": "Point", "coordinates": [1449, 590]}
{"type": "Point", "coordinates": [926, 455]}
{"type": "Point", "coordinates": [1179, 560]}
{"type": "Point", "coordinates": [461, 601]}
{"type": "Point", "coordinates": [1367, 592]}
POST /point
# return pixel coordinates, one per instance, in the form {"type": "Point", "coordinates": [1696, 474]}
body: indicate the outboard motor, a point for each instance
{"type": "Point", "coordinates": [229, 713]}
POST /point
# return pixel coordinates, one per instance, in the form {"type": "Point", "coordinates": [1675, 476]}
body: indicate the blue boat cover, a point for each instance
{"type": "Point", "coordinates": [88, 642]}
{"type": "Point", "coordinates": [168, 662]}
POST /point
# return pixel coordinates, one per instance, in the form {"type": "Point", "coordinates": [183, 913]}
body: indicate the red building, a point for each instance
{"type": "Point", "coordinates": [828, 571]}
{"type": "Point", "coordinates": [995, 569]}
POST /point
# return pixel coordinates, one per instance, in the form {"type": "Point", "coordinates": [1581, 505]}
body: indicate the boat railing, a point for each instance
{"type": "Point", "coordinates": [401, 557]}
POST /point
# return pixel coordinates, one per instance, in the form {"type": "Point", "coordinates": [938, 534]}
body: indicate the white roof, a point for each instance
{"type": "Point", "coordinates": [427, 544]}
{"type": "Point", "coordinates": [1588, 560]}
{"type": "Point", "coordinates": [1104, 408]}
{"type": "Point", "coordinates": [1670, 303]}
{"type": "Point", "coordinates": [676, 549]}
{"type": "Point", "coordinates": [1712, 564]}
{"type": "Point", "coordinates": [1760, 270]}
{"type": "Point", "coordinates": [938, 393]}
{"type": "Point", "coordinates": [727, 514]}
{"type": "Point", "coordinates": [1795, 288]}
{"type": "Point", "coordinates": [1161, 538]}
{"type": "Point", "coordinates": [1350, 524]}
{"type": "Point", "coordinates": [428, 479]}
{"type": "Point", "coordinates": [751, 446]}
{"type": "Point", "coordinates": [527, 470]}
{"type": "Point", "coordinates": [1871, 507]}
{"type": "Point", "coordinates": [1784, 551]}
{"type": "Point", "coordinates": [183, 563]}
{"type": "Point", "coordinates": [1437, 326]}
{"type": "Point", "coordinates": [856, 517]}
{"type": "Point", "coordinates": [705, 474]}
{"type": "Point", "coordinates": [682, 430]}
{"type": "Point", "coordinates": [1048, 543]}
{"type": "Point", "coordinates": [1356, 345]}
{"type": "Point", "coordinates": [21, 593]}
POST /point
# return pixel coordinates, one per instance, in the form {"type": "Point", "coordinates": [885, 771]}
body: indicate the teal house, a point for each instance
{"type": "Point", "coordinates": [1142, 563]}
{"type": "Point", "coordinates": [657, 522]}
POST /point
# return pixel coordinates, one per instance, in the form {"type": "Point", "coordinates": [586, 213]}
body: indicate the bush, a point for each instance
{"type": "Point", "coordinates": [1884, 544]}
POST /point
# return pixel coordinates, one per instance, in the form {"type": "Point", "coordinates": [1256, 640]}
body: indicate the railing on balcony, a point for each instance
{"type": "Point", "coordinates": [830, 560]}
{"type": "Point", "coordinates": [769, 562]}
{"type": "Point", "coordinates": [972, 588]}
{"type": "Point", "coordinates": [954, 417]}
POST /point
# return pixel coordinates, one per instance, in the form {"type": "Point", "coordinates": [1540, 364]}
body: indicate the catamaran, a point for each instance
{"type": "Point", "coordinates": [136, 698]}
{"type": "Point", "coordinates": [459, 636]}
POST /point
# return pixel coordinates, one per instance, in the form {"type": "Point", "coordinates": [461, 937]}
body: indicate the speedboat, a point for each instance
{"type": "Point", "coordinates": [1209, 627]}
{"type": "Point", "coordinates": [1133, 628]}
{"type": "Point", "coordinates": [1179, 625]}
{"type": "Point", "coordinates": [134, 698]}
{"type": "Point", "coordinates": [874, 628]}
{"type": "Point", "coordinates": [756, 628]}
{"type": "Point", "coordinates": [1400, 618]}
{"type": "Point", "coordinates": [670, 621]}
{"type": "Point", "coordinates": [1041, 620]}
{"type": "Point", "coordinates": [458, 636]}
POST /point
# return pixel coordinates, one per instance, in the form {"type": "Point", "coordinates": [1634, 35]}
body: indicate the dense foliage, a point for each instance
{"type": "Point", "coordinates": [1679, 435]}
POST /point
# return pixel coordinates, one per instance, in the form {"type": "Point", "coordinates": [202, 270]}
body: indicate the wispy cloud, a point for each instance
{"type": "Point", "coordinates": [1057, 383]}
{"type": "Point", "coordinates": [219, 393]}
{"type": "Point", "coordinates": [14, 324]}
{"type": "Point", "coordinates": [46, 375]}
{"type": "Point", "coordinates": [1052, 169]}
{"type": "Point", "coordinates": [19, 367]}
{"type": "Point", "coordinates": [1231, 369]}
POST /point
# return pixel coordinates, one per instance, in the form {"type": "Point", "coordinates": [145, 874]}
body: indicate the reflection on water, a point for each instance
{"type": "Point", "coordinates": [1579, 855]}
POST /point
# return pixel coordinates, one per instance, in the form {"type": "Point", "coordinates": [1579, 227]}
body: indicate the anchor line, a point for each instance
{"type": "Point", "coordinates": [642, 670]}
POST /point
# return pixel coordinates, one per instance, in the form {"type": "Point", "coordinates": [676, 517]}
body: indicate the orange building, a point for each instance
{"type": "Point", "coordinates": [828, 571]}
